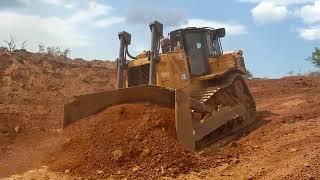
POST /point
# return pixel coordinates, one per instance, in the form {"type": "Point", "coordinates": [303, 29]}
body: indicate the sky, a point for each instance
{"type": "Point", "coordinates": [275, 35]}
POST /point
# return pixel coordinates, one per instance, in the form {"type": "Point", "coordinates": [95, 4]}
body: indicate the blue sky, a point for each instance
{"type": "Point", "coordinates": [275, 35]}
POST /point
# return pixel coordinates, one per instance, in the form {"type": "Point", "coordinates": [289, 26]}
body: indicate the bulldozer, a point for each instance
{"type": "Point", "coordinates": [192, 74]}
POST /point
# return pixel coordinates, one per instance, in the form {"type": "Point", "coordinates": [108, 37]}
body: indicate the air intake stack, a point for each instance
{"type": "Point", "coordinates": [156, 35]}
{"type": "Point", "coordinates": [125, 40]}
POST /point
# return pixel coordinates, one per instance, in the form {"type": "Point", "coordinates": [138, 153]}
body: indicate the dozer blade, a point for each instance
{"type": "Point", "coordinates": [190, 131]}
{"type": "Point", "coordinates": [89, 104]}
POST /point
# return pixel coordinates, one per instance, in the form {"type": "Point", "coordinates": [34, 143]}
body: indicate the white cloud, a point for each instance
{"type": "Point", "coordinates": [310, 13]}
{"type": "Point", "coordinates": [231, 28]}
{"type": "Point", "coordinates": [56, 30]}
{"type": "Point", "coordinates": [63, 3]}
{"type": "Point", "coordinates": [70, 4]}
{"type": "Point", "coordinates": [170, 17]}
{"type": "Point", "coordinates": [249, 1]}
{"type": "Point", "coordinates": [312, 33]}
{"type": "Point", "coordinates": [269, 12]}
{"type": "Point", "coordinates": [51, 30]}
{"type": "Point", "coordinates": [93, 11]}
{"type": "Point", "coordinates": [96, 14]}
{"type": "Point", "coordinates": [106, 22]}
{"type": "Point", "coordinates": [279, 2]}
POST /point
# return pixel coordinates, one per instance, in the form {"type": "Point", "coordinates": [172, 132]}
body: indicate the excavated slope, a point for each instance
{"type": "Point", "coordinates": [128, 140]}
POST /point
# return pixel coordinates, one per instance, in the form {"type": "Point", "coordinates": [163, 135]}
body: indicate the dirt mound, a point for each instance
{"type": "Point", "coordinates": [284, 86]}
{"type": "Point", "coordinates": [129, 140]}
{"type": "Point", "coordinates": [138, 140]}
{"type": "Point", "coordinates": [301, 94]}
{"type": "Point", "coordinates": [34, 87]}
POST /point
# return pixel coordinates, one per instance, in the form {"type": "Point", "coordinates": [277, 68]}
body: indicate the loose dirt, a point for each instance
{"type": "Point", "coordinates": [285, 141]}
{"type": "Point", "coordinates": [129, 140]}
{"type": "Point", "coordinates": [136, 140]}
{"type": "Point", "coordinates": [34, 87]}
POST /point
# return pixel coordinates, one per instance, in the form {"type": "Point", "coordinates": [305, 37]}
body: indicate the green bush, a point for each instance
{"type": "Point", "coordinates": [315, 58]}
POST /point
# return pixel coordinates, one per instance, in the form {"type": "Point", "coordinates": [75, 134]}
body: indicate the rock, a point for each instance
{"type": "Point", "coordinates": [256, 147]}
{"type": "Point", "coordinates": [162, 170]}
{"type": "Point", "coordinates": [117, 155]}
{"type": "Point", "coordinates": [306, 164]}
{"type": "Point", "coordinates": [110, 131]}
{"type": "Point", "coordinates": [138, 137]}
{"type": "Point", "coordinates": [236, 160]}
{"type": "Point", "coordinates": [119, 172]}
{"type": "Point", "coordinates": [145, 152]}
{"type": "Point", "coordinates": [173, 170]}
{"type": "Point", "coordinates": [67, 171]}
{"type": "Point", "coordinates": [293, 149]}
{"type": "Point", "coordinates": [99, 172]}
{"type": "Point", "coordinates": [17, 129]}
{"type": "Point", "coordinates": [135, 169]}
{"type": "Point", "coordinates": [310, 177]}
{"type": "Point", "coordinates": [201, 152]}
{"type": "Point", "coordinates": [234, 144]}
{"type": "Point", "coordinates": [67, 140]}
{"type": "Point", "coordinates": [46, 177]}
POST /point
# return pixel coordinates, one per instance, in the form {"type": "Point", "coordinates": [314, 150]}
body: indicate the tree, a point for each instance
{"type": "Point", "coordinates": [41, 48]}
{"type": "Point", "coordinates": [290, 73]}
{"type": "Point", "coordinates": [11, 43]}
{"type": "Point", "coordinates": [3, 49]}
{"type": "Point", "coordinates": [249, 74]}
{"type": "Point", "coordinates": [315, 57]}
{"type": "Point", "coordinates": [24, 44]}
{"type": "Point", "coordinates": [66, 52]}
{"type": "Point", "coordinates": [54, 51]}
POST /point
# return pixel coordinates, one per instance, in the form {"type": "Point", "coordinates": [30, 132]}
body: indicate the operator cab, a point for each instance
{"type": "Point", "coordinates": [199, 44]}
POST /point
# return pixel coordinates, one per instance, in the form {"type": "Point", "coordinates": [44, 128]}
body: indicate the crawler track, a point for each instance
{"type": "Point", "coordinates": [226, 92]}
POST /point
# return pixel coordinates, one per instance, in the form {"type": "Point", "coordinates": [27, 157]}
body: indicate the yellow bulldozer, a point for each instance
{"type": "Point", "coordinates": [191, 74]}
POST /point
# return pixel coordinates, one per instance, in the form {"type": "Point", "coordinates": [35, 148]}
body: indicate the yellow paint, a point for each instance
{"type": "Point", "coordinates": [173, 68]}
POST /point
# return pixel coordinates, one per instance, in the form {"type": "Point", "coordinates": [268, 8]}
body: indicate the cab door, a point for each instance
{"type": "Point", "coordinates": [197, 51]}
